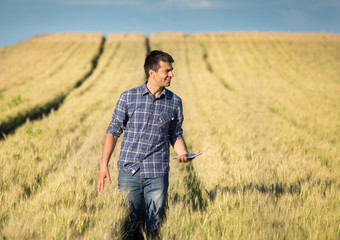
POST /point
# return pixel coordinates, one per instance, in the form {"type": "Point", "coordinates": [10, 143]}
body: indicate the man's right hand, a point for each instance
{"type": "Point", "coordinates": [103, 173]}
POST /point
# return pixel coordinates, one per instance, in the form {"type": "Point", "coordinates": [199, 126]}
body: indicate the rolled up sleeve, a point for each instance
{"type": "Point", "coordinates": [176, 131]}
{"type": "Point", "coordinates": [119, 117]}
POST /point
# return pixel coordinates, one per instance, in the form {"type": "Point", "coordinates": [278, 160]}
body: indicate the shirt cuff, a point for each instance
{"type": "Point", "coordinates": [174, 139]}
{"type": "Point", "coordinates": [111, 131]}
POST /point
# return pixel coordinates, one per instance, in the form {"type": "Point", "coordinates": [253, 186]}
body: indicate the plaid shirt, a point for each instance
{"type": "Point", "coordinates": [149, 125]}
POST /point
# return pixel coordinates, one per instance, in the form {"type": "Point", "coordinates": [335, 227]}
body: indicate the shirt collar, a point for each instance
{"type": "Point", "coordinates": [144, 90]}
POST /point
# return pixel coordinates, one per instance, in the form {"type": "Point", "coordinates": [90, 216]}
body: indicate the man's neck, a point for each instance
{"type": "Point", "coordinates": [154, 89]}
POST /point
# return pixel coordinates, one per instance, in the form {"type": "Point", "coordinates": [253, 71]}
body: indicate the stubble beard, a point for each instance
{"type": "Point", "coordinates": [168, 82]}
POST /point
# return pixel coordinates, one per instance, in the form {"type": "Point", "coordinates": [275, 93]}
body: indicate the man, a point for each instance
{"type": "Point", "coordinates": [151, 117]}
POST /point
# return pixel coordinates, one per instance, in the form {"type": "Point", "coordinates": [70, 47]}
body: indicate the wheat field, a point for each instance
{"type": "Point", "coordinates": [264, 108]}
{"type": "Point", "coordinates": [37, 74]}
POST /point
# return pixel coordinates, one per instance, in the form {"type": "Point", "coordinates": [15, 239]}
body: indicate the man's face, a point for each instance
{"type": "Point", "coordinates": [162, 77]}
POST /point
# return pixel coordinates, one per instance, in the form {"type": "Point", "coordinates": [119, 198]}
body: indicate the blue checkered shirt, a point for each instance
{"type": "Point", "coordinates": [149, 126]}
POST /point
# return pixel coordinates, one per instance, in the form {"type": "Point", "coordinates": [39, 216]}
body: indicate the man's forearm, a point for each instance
{"type": "Point", "coordinates": [180, 147]}
{"type": "Point", "coordinates": [109, 146]}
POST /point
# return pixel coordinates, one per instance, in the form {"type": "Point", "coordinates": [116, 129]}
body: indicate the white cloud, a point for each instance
{"type": "Point", "coordinates": [206, 4]}
{"type": "Point", "coordinates": [200, 4]}
{"type": "Point", "coordinates": [319, 5]}
{"type": "Point", "coordinates": [103, 2]}
{"type": "Point", "coordinates": [192, 4]}
{"type": "Point", "coordinates": [294, 16]}
{"type": "Point", "coordinates": [309, 4]}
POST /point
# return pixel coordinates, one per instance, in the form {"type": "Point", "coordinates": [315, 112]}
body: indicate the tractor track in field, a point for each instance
{"type": "Point", "coordinates": [147, 45]}
{"type": "Point", "coordinates": [225, 84]}
{"type": "Point", "coordinates": [37, 112]}
{"type": "Point", "coordinates": [148, 50]}
{"type": "Point", "coordinates": [195, 195]}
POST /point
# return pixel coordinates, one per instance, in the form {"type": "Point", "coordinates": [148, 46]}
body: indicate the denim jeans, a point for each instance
{"type": "Point", "coordinates": [144, 193]}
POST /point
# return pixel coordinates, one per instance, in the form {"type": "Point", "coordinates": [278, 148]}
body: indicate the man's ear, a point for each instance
{"type": "Point", "coordinates": [151, 72]}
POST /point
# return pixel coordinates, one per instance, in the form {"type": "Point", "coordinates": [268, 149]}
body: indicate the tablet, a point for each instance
{"type": "Point", "coordinates": [190, 155]}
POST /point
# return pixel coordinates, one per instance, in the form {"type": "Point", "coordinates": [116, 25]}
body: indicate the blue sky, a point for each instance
{"type": "Point", "coordinates": [22, 19]}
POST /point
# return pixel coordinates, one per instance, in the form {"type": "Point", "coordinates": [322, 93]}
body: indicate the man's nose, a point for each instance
{"type": "Point", "coordinates": [171, 73]}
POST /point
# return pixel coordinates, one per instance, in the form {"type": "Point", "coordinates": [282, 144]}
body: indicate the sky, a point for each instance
{"type": "Point", "coordinates": [22, 19]}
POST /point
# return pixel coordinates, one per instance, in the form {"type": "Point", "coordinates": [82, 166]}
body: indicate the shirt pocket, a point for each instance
{"type": "Point", "coordinates": [131, 111]}
{"type": "Point", "coordinates": [164, 120]}
{"type": "Point", "coordinates": [131, 117]}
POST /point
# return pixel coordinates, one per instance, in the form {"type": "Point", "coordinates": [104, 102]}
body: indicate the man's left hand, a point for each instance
{"type": "Point", "coordinates": [184, 157]}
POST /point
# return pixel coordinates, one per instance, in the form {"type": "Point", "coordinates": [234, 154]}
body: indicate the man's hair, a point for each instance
{"type": "Point", "coordinates": [152, 61]}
